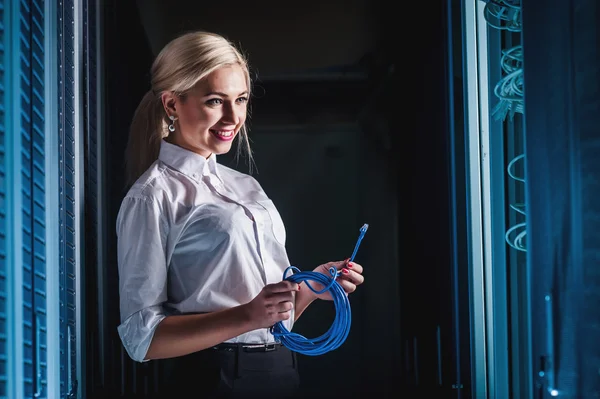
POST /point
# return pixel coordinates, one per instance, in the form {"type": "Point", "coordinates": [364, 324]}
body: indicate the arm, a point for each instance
{"type": "Point", "coordinates": [142, 263]}
{"type": "Point", "coordinates": [183, 334]}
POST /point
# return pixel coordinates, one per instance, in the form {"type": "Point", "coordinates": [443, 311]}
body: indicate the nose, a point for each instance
{"type": "Point", "coordinates": [232, 113]}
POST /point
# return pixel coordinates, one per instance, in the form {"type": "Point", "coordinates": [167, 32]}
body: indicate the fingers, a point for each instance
{"type": "Point", "coordinates": [355, 267]}
{"type": "Point", "coordinates": [351, 276]}
{"type": "Point", "coordinates": [348, 286]}
{"type": "Point", "coordinates": [283, 307]}
{"type": "Point", "coordinates": [284, 316]}
{"type": "Point", "coordinates": [349, 280]}
{"type": "Point", "coordinates": [273, 304]}
{"type": "Point", "coordinates": [282, 286]}
{"type": "Point", "coordinates": [280, 297]}
{"type": "Point", "coordinates": [339, 265]}
{"type": "Point", "coordinates": [282, 310]}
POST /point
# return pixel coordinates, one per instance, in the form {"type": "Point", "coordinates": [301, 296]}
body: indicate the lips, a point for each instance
{"type": "Point", "coordinates": [223, 135]}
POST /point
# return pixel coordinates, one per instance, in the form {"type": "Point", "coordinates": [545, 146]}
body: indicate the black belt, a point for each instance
{"type": "Point", "coordinates": [232, 347]}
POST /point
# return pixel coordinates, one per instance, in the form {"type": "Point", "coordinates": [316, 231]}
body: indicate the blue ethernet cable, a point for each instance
{"type": "Point", "coordinates": [340, 328]}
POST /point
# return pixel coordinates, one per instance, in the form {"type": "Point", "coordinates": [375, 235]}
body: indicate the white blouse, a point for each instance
{"type": "Point", "coordinates": [193, 237]}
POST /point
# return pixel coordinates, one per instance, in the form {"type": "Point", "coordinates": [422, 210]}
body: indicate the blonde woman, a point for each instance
{"type": "Point", "coordinates": [201, 247]}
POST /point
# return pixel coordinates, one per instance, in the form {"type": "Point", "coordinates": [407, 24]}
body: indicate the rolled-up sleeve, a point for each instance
{"type": "Point", "coordinates": [141, 251]}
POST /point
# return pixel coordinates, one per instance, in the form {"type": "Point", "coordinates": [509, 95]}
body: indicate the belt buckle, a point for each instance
{"type": "Point", "coordinates": [270, 347]}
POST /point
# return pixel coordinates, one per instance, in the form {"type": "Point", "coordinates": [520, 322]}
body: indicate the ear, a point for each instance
{"type": "Point", "coordinates": [169, 101]}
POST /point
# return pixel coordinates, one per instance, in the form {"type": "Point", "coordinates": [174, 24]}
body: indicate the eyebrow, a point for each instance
{"type": "Point", "coordinates": [218, 93]}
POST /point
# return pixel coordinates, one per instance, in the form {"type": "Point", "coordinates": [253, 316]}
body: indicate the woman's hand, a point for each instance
{"type": "Point", "coordinates": [349, 278]}
{"type": "Point", "coordinates": [273, 304]}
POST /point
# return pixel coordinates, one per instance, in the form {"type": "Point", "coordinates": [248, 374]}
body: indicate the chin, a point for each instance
{"type": "Point", "coordinates": [221, 149]}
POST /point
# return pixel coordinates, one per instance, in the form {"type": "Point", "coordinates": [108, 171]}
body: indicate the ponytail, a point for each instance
{"type": "Point", "coordinates": [145, 135]}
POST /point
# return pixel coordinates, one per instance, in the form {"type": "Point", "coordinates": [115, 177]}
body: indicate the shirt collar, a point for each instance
{"type": "Point", "coordinates": [188, 162]}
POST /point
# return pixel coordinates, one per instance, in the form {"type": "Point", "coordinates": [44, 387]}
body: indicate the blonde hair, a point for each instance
{"type": "Point", "coordinates": [180, 65]}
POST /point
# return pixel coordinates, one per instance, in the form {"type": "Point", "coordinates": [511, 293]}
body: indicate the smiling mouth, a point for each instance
{"type": "Point", "coordinates": [223, 135]}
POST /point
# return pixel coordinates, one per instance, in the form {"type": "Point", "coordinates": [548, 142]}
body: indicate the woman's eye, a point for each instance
{"type": "Point", "coordinates": [219, 101]}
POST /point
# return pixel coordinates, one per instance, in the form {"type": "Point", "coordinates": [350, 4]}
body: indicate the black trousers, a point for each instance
{"type": "Point", "coordinates": [234, 371]}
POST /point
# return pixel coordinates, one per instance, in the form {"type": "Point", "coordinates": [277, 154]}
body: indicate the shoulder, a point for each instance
{"type": "Point", "coordinates": [151, 187]}
{"type": "Point", "coordinates": [148, 198]}
{"type": "Point", "coordinates": [146, 202]}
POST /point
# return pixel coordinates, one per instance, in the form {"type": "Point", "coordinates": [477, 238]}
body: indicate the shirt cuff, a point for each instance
{"type": "Point", "coordinates": [138, 330]}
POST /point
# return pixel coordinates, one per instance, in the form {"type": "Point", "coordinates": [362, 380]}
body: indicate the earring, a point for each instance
{"type": "Point", "coordinates": [172, 125]}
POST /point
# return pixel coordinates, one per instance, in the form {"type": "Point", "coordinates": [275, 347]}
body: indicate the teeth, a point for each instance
{"type": "Point", "coordinates": [224, 133]}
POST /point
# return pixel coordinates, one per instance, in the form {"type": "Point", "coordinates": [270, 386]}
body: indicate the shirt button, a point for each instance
{"type": "Point", "coordinates": [195, 175]}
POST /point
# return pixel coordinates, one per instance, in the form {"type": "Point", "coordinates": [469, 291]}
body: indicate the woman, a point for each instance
{"type": "Point", "coordinates": [201, 248]}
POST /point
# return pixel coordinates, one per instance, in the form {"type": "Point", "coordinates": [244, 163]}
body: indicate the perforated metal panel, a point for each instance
{"type": "Point", "coordinates": [3, 224]}
{"type": "Point", "coordinates": [32, 196]}
{"type": "Point", "coordinates": [67, 195]}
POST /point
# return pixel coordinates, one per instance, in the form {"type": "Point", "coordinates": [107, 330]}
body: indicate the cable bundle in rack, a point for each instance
{"type": "Point", "coordinates": [506, 15]}
{"type": "Point", "coordinates": [510, 88]}
{"type": "Point", "coordinates": [503, 14]}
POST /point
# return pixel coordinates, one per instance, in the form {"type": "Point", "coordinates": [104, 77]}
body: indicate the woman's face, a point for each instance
{"type": "Point", "coordinates": [210, 115]}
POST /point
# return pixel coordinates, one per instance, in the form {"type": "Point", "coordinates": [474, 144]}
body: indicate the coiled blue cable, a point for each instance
{"type": "Point", "coordinates": [340, 328]}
